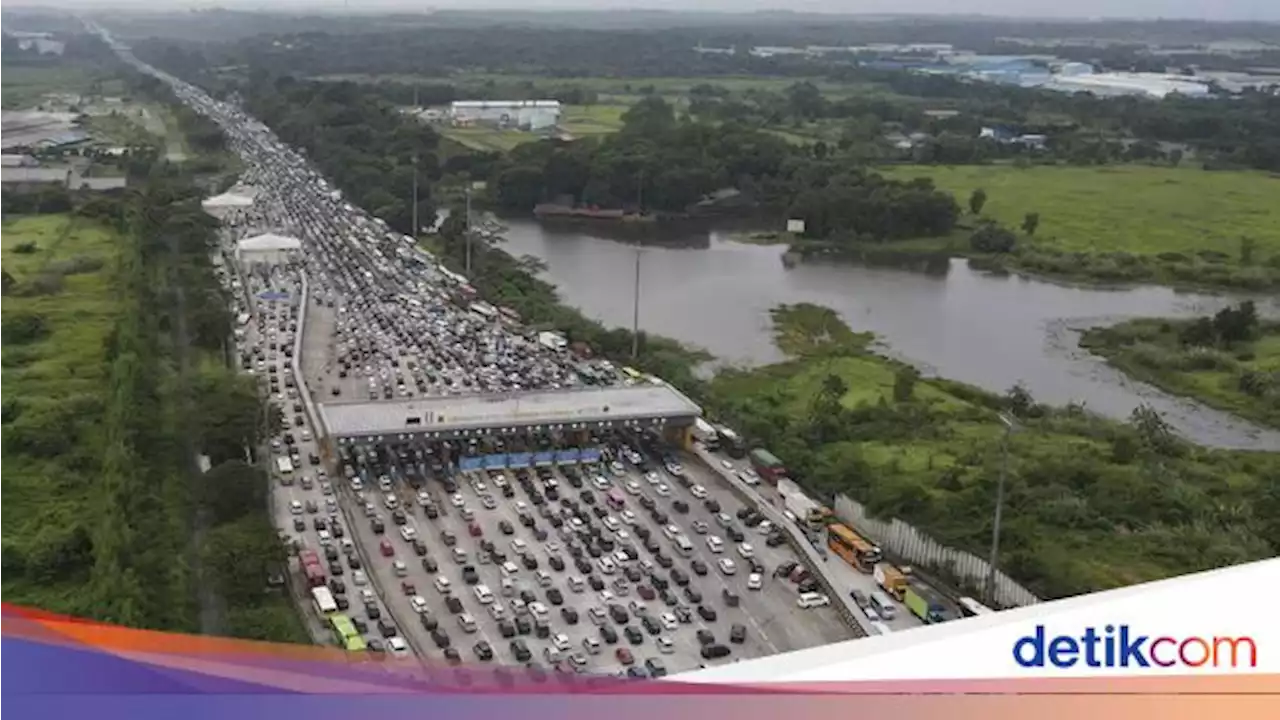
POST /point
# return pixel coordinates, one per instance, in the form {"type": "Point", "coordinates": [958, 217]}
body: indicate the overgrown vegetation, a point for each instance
{"type": "Point", "coordinates": [1230, 361]}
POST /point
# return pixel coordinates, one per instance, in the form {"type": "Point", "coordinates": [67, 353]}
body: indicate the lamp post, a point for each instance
{"type": "Point", "coordinates": [1009, 427]}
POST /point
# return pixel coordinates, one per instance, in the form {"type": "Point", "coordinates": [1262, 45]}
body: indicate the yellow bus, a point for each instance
{"type": "Point", "coordinates": [355, 643]}
{"type": "Point", "coordinates": [633, 373]}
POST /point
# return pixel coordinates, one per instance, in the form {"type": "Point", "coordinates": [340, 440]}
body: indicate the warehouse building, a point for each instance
{"type": "Point", "coordinates": [522, 114]}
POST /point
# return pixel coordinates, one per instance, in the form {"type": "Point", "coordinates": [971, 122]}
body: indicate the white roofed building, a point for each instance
{"type": "Point", "coordinates": [523, 114]}
{"type": "Point", "coordinates": [268, 249]}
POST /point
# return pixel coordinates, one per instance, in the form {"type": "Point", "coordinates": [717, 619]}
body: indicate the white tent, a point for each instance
{"type": "Point", "coordinates": [267, 248]}
{"type": "Point", "coordinates": [227, 200]}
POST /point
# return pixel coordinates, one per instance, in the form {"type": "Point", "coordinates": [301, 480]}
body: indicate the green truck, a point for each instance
{"type": "Point", "coordinates": [925, 603]}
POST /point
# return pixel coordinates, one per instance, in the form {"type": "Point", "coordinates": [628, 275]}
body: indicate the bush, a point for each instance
{"type": "Point", "coordinates": [26, 248]}
{"type": "Point", "coordinates": [77, 265]}
{"type": "Point", "coordinates": [992, 238]}
{"type": "Point", "coordinates": [22, 328]}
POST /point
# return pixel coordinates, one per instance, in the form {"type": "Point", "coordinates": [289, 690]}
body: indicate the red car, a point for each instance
{"type": "Point", "coordinates": [385, 548]}
{"type": "Point", "coordinates": [408, 587]}
{"type": "Point", "coordinates": [475, 529]}
{"type": "Point", "coordinates": [624, 656]}
{"type": "Point", "coordinates": [646, 592]}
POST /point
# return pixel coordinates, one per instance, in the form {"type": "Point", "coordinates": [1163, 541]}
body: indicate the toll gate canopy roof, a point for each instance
{"type": "Point", "coordinates": [452, 415]}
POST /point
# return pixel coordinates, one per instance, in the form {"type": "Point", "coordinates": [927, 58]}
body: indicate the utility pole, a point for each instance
{"type": "Point", "coordinates": [999, 511]}
{"type": "Point", "coordinates": [635, 301]}
{"type": "Point", "coordinates": [467, 192]}
{"type": "Point", "coordinates": [416, 227]}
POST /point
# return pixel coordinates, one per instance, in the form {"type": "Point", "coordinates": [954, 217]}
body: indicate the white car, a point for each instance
{"type": "Point", "coordinates": [728, 566]}
{"type": "Point", "coordinates": [483, 594]}
{"type": "Point", "coordinates": [611, 523]}
{"type": "Point", "coordinates": [754, 581]}
{"type": "Point", "coordinates": [616, 468]}
{"type": "Point", "coordinates": [496, 611]}
{"type": "Point", "coordinates": [669, 621]}
{"type": "Point", "coordinates": [812, 600]}
{"type": "Point", "coordinates": [408, 534]}
{"type": "Point", "coordinates": [390, 501]}
{"type": "Point", "coordinates": [652, 477]}
{"type": "Point", "coordinates": [538, 609]}
{"type": "Point", "coordinates": [670, 531]}
{"type": "Point", "coordinates": [607, 597]}
{"type": "Point", "coordinates": [665, 646]}
{"type": "Point", "coordinates": [456, 500]}
{"type": "Point", "coordinates": [701, 527]}
{"type": "Point", "coordinates": [591, 645]}
{"type": "Point", "coordinates": [399, 568]}
{"type": "Point", "coordinates": [398, 647]}
{"type": "Point", "coordinates": [662, 489]}
{"type": "Point", "coordinates": [620, 557]}
{"type": "Point", "coordinates": [519, 546]}
{"type": "Point", "coordinates": [749, 477]}
{"type": "Point", "coordinates": [368, 596]}
{"type": "Point", "coordinates": [418, 603]}
{"type": "Point", "coordinates": [601, 483]}
{"type": "Point", "coordinates": [561, 642]}
{"type": "Point", "coordinates": [715, 544]}
{"type": "Point", "coordinates": [632, 487]}
{"type": "Point", "coordinates": [746, 551]}
{"type": "Point", "coordinates": [424, 498]}
{"type": "Point", "coordinates": [359, 578]}
{"type": "Point", "coordinates": [356, 485]}
{"type": "Point", "coordinates": [765, 527]}
{"type": "Point", "coordinates": [443, 585]}
{"type": "Point", "coordinates": [699, 492]}
{"type": "Point", "coordinates": [295, 507]}
{"type": "Point", "coordinates": [726, 464]}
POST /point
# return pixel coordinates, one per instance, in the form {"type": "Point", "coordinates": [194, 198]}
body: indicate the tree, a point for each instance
{"type": "Point", "coordinates": [904, 383]}
{"type": "Point", "coordinates": [1019, 401]}
{"type": "Point", "coordinates": [1175, 156]}
{"type": "Point", "coordinates": [233, 490]}
{"type": "Point", "coordinates": [1152, 428]}
{"type": "Point", "coordinates": [991, 238]}
{"type": "Point", "coordinates": [977, 200]}
{"type": "Point", "coordinates": [1030, 222]}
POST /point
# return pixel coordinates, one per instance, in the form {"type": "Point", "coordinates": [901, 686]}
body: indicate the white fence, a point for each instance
{"type": "Point", "coordinates": [913, 546]}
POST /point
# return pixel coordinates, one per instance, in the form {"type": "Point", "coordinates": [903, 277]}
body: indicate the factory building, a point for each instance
{"type": "Point", "coordinates": [522, 114]}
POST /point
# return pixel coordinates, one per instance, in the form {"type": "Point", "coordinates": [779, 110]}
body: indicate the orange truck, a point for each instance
{"type": "Point", "coordinates": [891, 579]}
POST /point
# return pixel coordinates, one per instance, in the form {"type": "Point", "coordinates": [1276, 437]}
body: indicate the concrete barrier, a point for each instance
{"type": "Point", "coordinates": [840, 600]}
{"type": "Point", "coordinates": [341, 487]}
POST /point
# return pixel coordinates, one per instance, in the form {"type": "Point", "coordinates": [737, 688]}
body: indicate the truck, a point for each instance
{"type": "Point", "coordinates": [706, 434]}
{"type": "Point", "coordinates": [801, 506]}
{"type": "Point", "coordinates": [731, 442]}
{"type": "Point", "coordinates": [767, 465]}
{"type": "Point", "coordinates": [311, 567]}
{"type": "Point", "coordinates": [893, 580]}
{"type": "Point", "coordinates": [925, 603]}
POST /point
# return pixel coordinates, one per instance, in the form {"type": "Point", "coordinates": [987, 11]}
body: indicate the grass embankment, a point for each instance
{"type": "Point", "coordinates": [1130, 223]}
{"type": "Point", "coordinates": [1243, 379]}
{"type": "Point", "coordinates": [56, 367]}
{"type": "Point", "coordinates": [1091, 503]}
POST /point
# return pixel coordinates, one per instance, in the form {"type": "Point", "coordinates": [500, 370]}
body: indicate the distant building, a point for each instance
{"type": "Point", "coordinates": [13, 160]}
{"type": "Point", "coordinates": [26, 178]}
{"type": "Point", "coordinates": [522, 114]}
{"type": "Point", "coordinates": [1154, 85]}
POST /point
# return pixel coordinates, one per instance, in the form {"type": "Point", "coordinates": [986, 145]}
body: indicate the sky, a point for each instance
{"type": "Point", "coordinates": [1190, 9]}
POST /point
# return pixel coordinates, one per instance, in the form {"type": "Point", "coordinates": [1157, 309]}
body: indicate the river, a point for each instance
{"type": "Point", "coordinates": [993, 331]}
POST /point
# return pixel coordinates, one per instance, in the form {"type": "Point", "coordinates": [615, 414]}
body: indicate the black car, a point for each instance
{"type": "Point", "coordinates": [738, 633]}
{"type": "Point", "coordinates": [556, 562]}
{"type": "Point", "coordinates": [526, 520]}
{"type": "Point", "coordinates": [679, 577]}
{"type": "Point", "coordinates": [608, 635]}
{"type": "Point", "coordinates": [330, 553]}
{"type": "Point", "coordinates": [523, 626]}
{"type": "Point", "coordinates": [634, 636]}
{"type": "Point", "coordinates": [506, 528]}
{"type": "Point", "coordinates": [730, 597]}
{"type": "Point", "coordinates": [378, 526]}
{"type": "Point", "coordinates": [735, 534]}
{"type": "Point", "coordinates": [755, 565]}
{"type": "Point", "coordinates": [398, 517]}
{"type": "Point", "coordinates": [453, 657]}
{"type": "Point", "coordinates": [808, 585]}
{"type": "Point", "coordinates": [555, 597]}
{"type": "Point", "coordinates": [651, 625]}
{"type": "Point", "coordinates": [541, 630]}
{"type": "Point", "coordinates": [785, 569]}
{"type": "Point", "coordinates": [775, 539]}
{"type": "Point", "coordinates": [600, 512]}
{"type": "Point", "coordinates": [527, 596]}
{"type": "Point", "coordinates": [299, 525]}
{"type": "Point", "coordinates": [596, 583]}
{"type": "Point", "coordinates": [429, 621]}
{"type": "Point", "coordinates": [454, 605]}
{"type": "Point", "coordinates": [569, 615]}
{"type": "Point", "coordinates": [659, 583]}
{"type": "Point", "coordinates": [713, 652]}
{"type": "Point", "coordinates": [337, 530]}
{"type": "Point", "coordinates": [712, 505]}
{"type": "Point", "coordinates": [619, 614]}
{"type": "Point", "coordinates": [419, 547]}
{"type": "Point", "coordinates": [429, 564]}
{"type": "Point", "coordinates": [361, 626]}
{"type": "Point", "coordinates": [386, 629]}
{"type": "Point", "coordinates": [699, 568]}
{"type": "Point", "coordinates": [651, 544]}
{"type": "Point", "coordinates": [637, 672]}
{"type": "Point", "coordinates": [633, 573]}
{"type": "Point", "coordinates": [342, 602]}
{"type": "Point", "coordinates": [607, 544]}
{"type": "Point", "coordinates": [529, 561]}
{"type": "Point", "coordinates": [743, 513]}
{"type": "Point", "coordinates": [647, 502]}
{"type": "Point", "coordinates": [642, 532]}
{"type": "Point", "coordinates": [336, 586]}
{"type": "Point", "coordinates": [583, 565]}
{"type": "Point", "coordinates": [484, 651]}
{"type": "Point", "coordinates": [664, 560]}
{"type": "Point", "coordinates": [506, 629]}
{"type": "Point", "coordinates": [431, 512]}
{"type": "Point", "coordinates": [520, 651]}
{"type": "Point", "coordinates": [706, 613]}
{"type": "Point", "coordinates": [660, 517]}
{"type": "Point", "coordinates": [448, 538]}
{"type": "Point", "coordinates": [705, 637]}
{"type": "Point", "coordinates": [469, 575]}
{"type": "Point", "coordinates": [441, 638]}
{"type": "Point", "coordinates": [371, 609]}
{"type": "Point", "coordinates": [587, 497]}
{"type": "Point", "coordinates": [353, 561]}
{"type": "Point", "coordinates": [655, 667]}
{"type": "Point", "coordinates": [681, 507]}
{"type": "Point", "coordinates": [670, 598]}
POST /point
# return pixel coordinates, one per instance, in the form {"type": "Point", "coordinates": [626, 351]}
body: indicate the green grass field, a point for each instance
{"type": "Point", "coordinates": [45, 497]}
{"type": "Point", "coordinates": [24, 86]}
{"type": "Point", "coordinates": [1134, 209]}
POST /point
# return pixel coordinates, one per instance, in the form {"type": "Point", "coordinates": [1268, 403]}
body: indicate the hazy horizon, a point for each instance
{"type": "Point", "coordinates": [1211, 10]}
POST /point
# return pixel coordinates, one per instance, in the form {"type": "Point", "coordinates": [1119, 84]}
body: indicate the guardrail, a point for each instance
{"type": "Point", "coordinates": [840, 599]}
{"type": "Point", "coordinates": [343, 488]}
